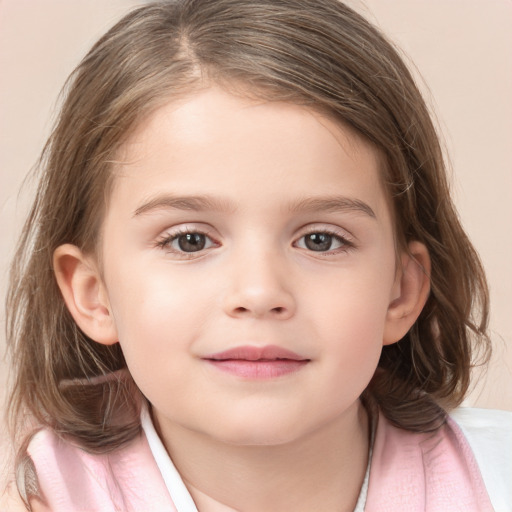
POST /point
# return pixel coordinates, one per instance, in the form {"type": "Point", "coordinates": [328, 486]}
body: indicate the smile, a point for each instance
{"type": "Point", "coordinates": [257, 362]}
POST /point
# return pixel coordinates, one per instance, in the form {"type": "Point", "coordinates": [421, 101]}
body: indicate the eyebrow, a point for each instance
{"type": "Point", "coordinates": [189, 203]}
{"type": "Point", "coordinates": [329, 204]}
{"type": "Point", "coordinates": [332, 204]}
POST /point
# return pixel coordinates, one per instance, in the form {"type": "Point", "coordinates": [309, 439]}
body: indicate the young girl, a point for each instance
{"type": "Point", "coordinates": [243, 285]}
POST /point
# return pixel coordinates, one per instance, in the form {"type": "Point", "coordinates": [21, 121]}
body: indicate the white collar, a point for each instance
{"type": "Point", "coordinates": [175, 486]}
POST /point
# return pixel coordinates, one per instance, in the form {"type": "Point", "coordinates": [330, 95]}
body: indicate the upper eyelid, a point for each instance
{"type": "Point", "coordinates": [172, 234]}
{"type": "Point", "coordinates": [175, 231]}
{"type": "Point", "coordinates": [185, 229]}
{"type": "Point", "coordinates": [330, 229]}
{"type": "Point", "coordinates": [308, 228]}
{"type": "Point", "coordinates": [346, 241]}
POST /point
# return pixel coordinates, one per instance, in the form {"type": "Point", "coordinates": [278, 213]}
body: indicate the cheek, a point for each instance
{"type": "Point", "coordinates": [154, 297]}
{"type": "Point", "coordinates": [351, 319]}
{"type": "Point", "coordinates": [152, 338]}
{"type": "Point", "coordinates": [157, 319]}
{"type": "Point", "coordinates": [354, 304]}
{"type": "Point", "coordinates": [355, 341]}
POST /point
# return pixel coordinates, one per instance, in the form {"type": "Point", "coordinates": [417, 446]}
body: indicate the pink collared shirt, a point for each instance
{"type": "Point", "coordinates": [410, 472]}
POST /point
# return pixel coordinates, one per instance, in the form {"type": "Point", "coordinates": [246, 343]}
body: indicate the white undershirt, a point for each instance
{"type": "Point", "coordinates": [177, 489]}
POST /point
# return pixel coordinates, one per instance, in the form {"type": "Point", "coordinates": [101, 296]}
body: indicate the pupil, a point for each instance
{"type": "Point", "coordinates": [191, 242]}
{"type": "Point", "coordinates": [318, 241]}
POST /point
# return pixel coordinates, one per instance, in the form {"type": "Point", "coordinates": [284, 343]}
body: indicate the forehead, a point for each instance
{"type": "Point", "coordinates": [218, 143]}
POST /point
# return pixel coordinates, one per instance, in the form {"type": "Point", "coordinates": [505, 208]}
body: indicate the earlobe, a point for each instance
{"type": "Point", "coordinates": [412, 289]}
{"type": "Point", "coordinates": [84, 293]}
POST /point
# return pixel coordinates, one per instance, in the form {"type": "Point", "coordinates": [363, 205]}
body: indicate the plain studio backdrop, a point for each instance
{"type": "Point", "coordinates": [462, 48]}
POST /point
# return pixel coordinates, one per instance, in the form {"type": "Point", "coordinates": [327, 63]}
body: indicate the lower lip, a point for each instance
{"type": "Point", "coordinates": [258, 369]}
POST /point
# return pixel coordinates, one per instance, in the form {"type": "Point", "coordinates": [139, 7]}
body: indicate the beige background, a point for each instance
{"type": "Point", "coordinates": [462, 47]}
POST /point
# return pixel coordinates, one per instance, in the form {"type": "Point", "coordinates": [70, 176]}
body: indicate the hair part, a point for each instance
{"type": "Point", "coordinates": [318, 54]}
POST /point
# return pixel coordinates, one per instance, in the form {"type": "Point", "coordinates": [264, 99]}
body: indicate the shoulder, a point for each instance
{"type": "Point", "coordinates": [62, 472]}
{"type": "Point", "coordinates": [489, 435]}
{"type": "Point", "coordinates": [70, 478]}
{"type": "Point", "coordinates": [431, 471]}
{"type": "Point", "coordinates": [474, 421]}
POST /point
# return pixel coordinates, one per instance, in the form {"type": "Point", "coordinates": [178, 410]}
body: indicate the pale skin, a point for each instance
{"type": "Point", "coordinates": [294, 247]}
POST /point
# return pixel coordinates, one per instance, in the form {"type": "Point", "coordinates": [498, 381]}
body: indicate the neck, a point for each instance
{"type": "Point", "coordinates": [323, 470]}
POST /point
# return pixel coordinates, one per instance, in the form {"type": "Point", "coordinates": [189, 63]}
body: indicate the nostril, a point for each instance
{"type": "Point", "coordinates": [243, 310]}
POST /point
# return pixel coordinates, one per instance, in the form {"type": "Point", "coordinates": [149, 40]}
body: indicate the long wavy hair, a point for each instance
{"type": "Point", "coordinates": [316, 53]}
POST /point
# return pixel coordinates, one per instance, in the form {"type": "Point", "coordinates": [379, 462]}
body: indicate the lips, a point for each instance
{"type": "Point", "coordinates": [257, 362]}
{"type": "Point", "coordinates": [250, 353]}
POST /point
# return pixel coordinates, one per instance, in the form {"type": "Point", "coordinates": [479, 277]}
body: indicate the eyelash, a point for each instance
{"type": "Point", "coordinates": [346, 242]}
{"type": "Point", "coordinates": [166, 241]}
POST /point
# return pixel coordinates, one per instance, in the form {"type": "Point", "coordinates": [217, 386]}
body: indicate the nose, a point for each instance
{"type": "Point", "coordinates": [258, 288]}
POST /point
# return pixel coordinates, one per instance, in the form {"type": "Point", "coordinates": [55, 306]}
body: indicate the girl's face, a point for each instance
{"type": "Point", "coordinates": [249, 267]}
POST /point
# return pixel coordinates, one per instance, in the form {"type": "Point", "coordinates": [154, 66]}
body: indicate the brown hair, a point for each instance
{"type": "Point", "coordinates": [316, 53]}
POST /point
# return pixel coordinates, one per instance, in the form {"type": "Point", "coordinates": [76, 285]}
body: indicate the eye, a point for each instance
{"type": "Point", "coordinates": [190, 242]}
{"type": "Point", "coordinates": [186, 242]}
{"type": "Point", "coordinates": [322, 241]}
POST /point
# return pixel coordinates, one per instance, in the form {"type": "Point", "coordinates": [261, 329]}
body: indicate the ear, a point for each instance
{"type": "Point", "coordinates": [84, 293]}
{"type": "Point", "coordinates": [410, 292]}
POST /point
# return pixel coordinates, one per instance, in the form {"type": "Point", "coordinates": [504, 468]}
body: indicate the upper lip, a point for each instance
{"type": "Point", "coordinates": [252, 353]}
